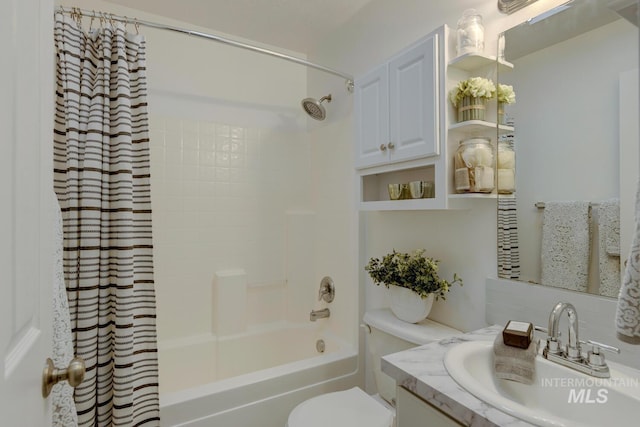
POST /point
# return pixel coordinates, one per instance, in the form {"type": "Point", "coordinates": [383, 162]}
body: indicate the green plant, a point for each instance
{"type": "Point", "coordinates": [476, 87]}
{"type": "Point", "coordinates": [506, 94]}
{"type": "Point", "coordinates": [412, 271]}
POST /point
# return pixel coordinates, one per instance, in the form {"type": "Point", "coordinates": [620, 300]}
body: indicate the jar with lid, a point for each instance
{"type": "Point", "coordinates": [474, 166]}
{"type": "Point", "coordinates": [506, 166]}
{"type": "Point", "coordinates": [470, 33]}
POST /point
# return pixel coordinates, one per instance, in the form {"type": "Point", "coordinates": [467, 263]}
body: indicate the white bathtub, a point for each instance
{"type": "Point", "coordinates": [252, 379]}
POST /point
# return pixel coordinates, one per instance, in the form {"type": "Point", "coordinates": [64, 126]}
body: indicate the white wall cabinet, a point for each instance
{"type": "Point", "coordinates": [406, 128]}
{"type": "Point", "coordinates": [397, 107]}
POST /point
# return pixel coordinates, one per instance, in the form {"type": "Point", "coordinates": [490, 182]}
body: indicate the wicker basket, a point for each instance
{"type": "Point", "coordinates": [471, 108]}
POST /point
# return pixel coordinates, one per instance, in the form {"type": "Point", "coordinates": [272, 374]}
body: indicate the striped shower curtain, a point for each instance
{"type": "Point", "coordinates": [101, 173]}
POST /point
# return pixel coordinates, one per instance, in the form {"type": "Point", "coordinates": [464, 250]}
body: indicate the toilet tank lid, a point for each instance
{"type": "Point", "coordinates": [417, 333]}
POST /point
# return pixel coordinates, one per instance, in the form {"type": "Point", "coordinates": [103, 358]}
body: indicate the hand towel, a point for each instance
{"type": "Point", "coordinates": [514, 364]}
{"type": "Point", "coordinates": [63, 407]}
{"type": "Point", "coordinates": [508, 247]}
{"type": "Point", "coordinates": [609, 247]}
{"type": "Point", "coordinates": [610, 209]}
{"type": "Point", "coordinates": [565, 245]}
{"type": "Point", "coordinates": [628, 308]}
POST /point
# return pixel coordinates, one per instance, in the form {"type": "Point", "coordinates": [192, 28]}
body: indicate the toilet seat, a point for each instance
{"type": "Point", "coordinates": [347, 408]}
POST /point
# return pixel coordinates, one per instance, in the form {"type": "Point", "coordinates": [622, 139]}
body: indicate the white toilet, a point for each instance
{"type": "Point", "coordinates": [354, 407]}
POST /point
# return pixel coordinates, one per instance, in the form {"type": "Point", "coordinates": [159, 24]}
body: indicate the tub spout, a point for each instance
{"type": "Point", "coordinates": [319, 314]}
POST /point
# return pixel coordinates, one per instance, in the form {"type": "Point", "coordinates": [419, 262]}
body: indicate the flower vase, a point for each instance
{"type": "Point", "coordinates": [501, 117]}
{"type": "Point", "coordinates": [471, 108]}
{"type": "Point", "coordinates": [408, 306]}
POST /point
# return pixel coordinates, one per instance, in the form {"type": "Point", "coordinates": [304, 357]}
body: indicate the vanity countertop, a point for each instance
{"type": "Point", "coordinates": [422, 371]}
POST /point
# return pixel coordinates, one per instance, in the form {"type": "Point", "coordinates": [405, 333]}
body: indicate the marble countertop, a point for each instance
{"type": "Point", "coordinates": [421, 370]}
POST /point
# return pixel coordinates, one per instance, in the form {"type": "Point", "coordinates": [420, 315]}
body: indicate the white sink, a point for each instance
{"type": "Point", "coordinates": [559, 396]}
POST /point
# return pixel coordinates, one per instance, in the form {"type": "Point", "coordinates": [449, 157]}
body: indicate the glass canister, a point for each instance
{"type": "Point", "coordinates": [470, 32]}
{"type": "Point", "coordinates": [506, 166]}
{"type": "Point", "coordinates": [474, 166]}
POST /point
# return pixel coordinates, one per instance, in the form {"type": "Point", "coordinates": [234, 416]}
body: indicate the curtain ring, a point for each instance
{"type": "Point", "coordinates": [78, 17]}
{"type": "Point", "coordinates": [137, 26]}
{"type": "Point", "coordinates": [91, 22]}
{"type": "Point", "coordinates": [102, 20]}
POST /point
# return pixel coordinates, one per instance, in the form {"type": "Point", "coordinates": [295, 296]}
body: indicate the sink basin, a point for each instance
{"type": "Point", "coordinates": [559, 396]}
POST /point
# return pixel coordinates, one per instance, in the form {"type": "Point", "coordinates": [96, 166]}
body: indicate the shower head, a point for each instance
{"type": "Point", "coordinates": [314, 108]}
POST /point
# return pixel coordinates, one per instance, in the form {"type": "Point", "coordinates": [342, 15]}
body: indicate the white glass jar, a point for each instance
{"type": "Point", "coordinates": [506, 167]}
{"type": "Point", "coordinates": [474, 166]}
{"type": "Point", "coordinates": [470, 33]}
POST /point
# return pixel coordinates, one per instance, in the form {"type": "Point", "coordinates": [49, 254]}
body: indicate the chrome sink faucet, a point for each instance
{"type": "Point", "coordinates": [571, 356]}
{"type": "Point", "coordinates": [553, 343]}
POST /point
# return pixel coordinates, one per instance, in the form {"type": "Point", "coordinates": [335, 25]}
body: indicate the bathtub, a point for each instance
{"type": "Point", "coordinates": [250, 379]}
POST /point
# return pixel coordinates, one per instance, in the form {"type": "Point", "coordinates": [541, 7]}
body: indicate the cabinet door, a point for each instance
{"type": "Point", "coordinates": [413, 90]}
{"type": "Point", "coordinates": [411, 411]}
{"type": "Point", "coordinates": [372, 117]}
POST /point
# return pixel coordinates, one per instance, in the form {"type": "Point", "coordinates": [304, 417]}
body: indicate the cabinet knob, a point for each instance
{"type": "Point", "coordinates": [391, 145]}
{"type": "Point", "coordinates": [383, 147]}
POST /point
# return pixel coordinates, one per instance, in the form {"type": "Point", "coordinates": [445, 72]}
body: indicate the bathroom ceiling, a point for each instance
{"type": "Point", "coordinates": [295, 25]}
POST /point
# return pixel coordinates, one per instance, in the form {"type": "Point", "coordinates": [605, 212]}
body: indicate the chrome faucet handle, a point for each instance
{"type": "Point", "coordinates": [327, 290]}
{"type": "Point", "coordinates": [594, 356]}
{"type": "Point", "coordinates": [597, 346]}
{"type": "Point", "coordinates": [540, 329]}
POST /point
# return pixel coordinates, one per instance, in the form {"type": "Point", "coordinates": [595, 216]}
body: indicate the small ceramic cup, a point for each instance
{"type": "Point", "coordinates": [429, 189]}
{"type": "Point", "coordinates": [395, 191]}
{"type": "Point", "coordinates": [416, 189]}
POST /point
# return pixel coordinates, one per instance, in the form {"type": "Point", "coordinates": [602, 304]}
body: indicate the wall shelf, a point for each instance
{"type": "Point", "coordinates": [475, 126]}
{"type": "Point", "coordinates": [473, 61]}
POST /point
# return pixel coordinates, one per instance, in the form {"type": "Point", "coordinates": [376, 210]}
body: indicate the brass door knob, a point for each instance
{"type": "Point", "coordinates": [383, 147]}
{"type": "Point", "coordinates": [51, 375]}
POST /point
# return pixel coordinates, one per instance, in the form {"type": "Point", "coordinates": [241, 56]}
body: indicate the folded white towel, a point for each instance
{"type": "Point", "coordinates": [514, 364]}
{"type": "Point", "coordinates": [565, 245]}
{"type": "Point", "coordinates": [628, 309]}
{"type": "Point", "coordinates": [609, 212]}
{"type": "Point", "coordinates": [609, 247]}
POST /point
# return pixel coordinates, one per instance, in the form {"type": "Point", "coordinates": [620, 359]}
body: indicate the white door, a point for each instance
{"type": "Point", "coordinates": [372, 117]}
{"type": "Point", "coordinates": [26, 123]}
{"type": "Point", "coordinates": [413, 92]}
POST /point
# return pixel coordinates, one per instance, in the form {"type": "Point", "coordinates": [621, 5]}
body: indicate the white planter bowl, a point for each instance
{"type": "Point", "coordinates": [409, 306]}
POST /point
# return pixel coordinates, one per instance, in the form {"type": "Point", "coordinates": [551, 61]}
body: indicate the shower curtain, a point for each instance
{"type": "Point", "coordinates": [101, 173]}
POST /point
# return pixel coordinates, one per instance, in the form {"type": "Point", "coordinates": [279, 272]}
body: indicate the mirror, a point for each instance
{"type": "Point", "coordinates": [575, 76]}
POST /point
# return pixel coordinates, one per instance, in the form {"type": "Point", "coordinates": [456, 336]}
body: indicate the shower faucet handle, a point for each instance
{"type": "Point", "coordinates": [327, 290]}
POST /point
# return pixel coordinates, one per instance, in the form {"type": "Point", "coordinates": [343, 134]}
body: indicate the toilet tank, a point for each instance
{"type": "Point", "coordinates": [391, 335]}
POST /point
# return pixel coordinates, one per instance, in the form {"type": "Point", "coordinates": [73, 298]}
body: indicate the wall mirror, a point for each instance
{"type": "Point", "coordinates": [575, 76]}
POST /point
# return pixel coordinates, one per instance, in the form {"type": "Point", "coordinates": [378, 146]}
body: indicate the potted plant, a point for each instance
{"type": "Point", "coordinates": [413, 281]}
{"type": "Point", "coordinates": [506, 95]}
{"type": "Point", "coordinates": [470, 97]}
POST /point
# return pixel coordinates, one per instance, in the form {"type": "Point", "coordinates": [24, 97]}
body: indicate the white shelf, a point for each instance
{"type": "Point", "coordinates": [473, 196]}
{"type": "Point", "coordinates": [474, 126]}
{"type": "Point", "coordinates": [473, 61]}
{"type": "Point", "coordinates": [455, 201]}
{"type": "Point", "coordinates": [400, 205]}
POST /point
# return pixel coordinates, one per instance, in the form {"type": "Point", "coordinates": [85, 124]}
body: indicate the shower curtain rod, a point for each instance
{"type": "Point", "coordinates": [110, 17]}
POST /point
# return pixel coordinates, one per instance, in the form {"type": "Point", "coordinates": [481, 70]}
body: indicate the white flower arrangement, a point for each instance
{"type": "Point", "coordinates": [476, 87]}
{"type": "Point", "coordinates": [506, 94]}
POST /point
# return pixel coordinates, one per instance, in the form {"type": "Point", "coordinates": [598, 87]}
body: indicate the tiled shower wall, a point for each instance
{"type": "Point", "coordinates": [220, 195]}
